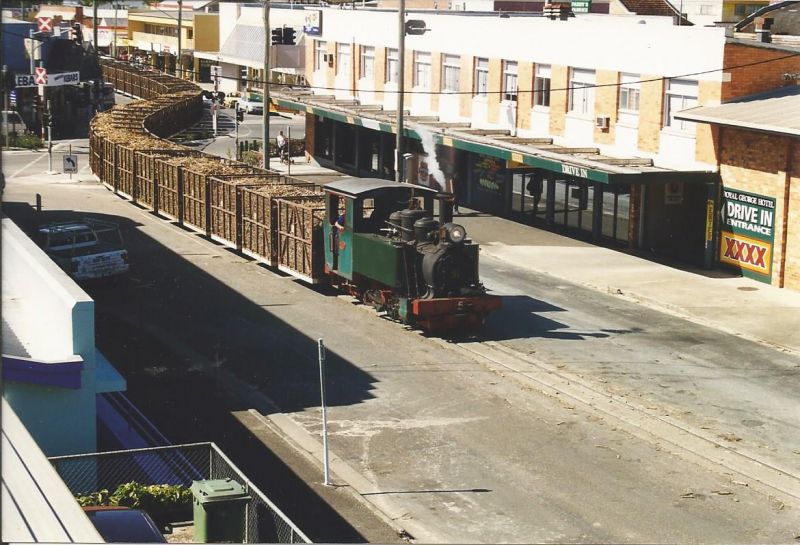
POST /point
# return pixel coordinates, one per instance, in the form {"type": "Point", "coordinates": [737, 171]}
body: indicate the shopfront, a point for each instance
{"type": "Point", "coordinates": [656, 210]}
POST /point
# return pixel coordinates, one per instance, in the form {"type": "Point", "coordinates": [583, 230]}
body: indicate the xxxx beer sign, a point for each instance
{"type": "Point", "coordinates": [747, 233]}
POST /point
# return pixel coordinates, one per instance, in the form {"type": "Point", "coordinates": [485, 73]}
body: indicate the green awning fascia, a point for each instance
{"type": "Point", "coordinates": [553, 165]}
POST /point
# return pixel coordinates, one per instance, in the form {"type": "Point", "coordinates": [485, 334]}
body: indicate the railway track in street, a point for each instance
{"type": "Point", "coordinates": [649, 423]}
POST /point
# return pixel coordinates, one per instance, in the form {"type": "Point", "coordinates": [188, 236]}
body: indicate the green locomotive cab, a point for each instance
{"type": "Point", "coordinates": [357, 247]}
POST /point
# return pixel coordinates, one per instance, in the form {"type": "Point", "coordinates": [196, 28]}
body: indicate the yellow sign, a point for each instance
{"type": "Point", "coordinates": [709, 220]}
{"type": "Point", "coordinates": [745, 252]}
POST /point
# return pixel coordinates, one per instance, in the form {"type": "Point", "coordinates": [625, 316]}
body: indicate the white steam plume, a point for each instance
{"type": "Point", "coordinates": [433, 164]}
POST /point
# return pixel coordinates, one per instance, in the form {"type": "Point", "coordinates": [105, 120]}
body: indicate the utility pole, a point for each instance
{"type": "Point", "coordinates": [401, 59]}
{"type": "Point", "coordinates": [5, 108]}
{"type": "Point", "coordinates": [116, 19]}
{"type": "Point", "coordinates": [265, 83]}
{"type": "Point", "coordinates": [179, 65]}
{"type": "Point", "coordinates": [94, 28]}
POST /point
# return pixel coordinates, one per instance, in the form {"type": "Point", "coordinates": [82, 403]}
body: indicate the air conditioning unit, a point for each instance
{"type": "Point", "coordinates": [327, 58]}
{"type": "Point", "coordinates": [602, 122]}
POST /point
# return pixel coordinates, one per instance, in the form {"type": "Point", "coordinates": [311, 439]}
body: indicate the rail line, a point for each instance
{"type": "Point", "coordinates": [682, 439]}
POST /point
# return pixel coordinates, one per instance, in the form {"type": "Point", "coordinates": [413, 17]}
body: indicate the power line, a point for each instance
{"type": "Point", "coordinates": [531, 91]}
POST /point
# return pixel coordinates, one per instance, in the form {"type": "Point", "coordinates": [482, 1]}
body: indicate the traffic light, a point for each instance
{"type": "Point", "coordinates": [239, 115]}
{"type": "Point", "coordinates": [277, 36]}
{"type": "Point", "coordinates": [77, 33]}
{"type": "Point", "coordinates": [47, 119]}
{"type": "Point", "coordinates": [288, 35]}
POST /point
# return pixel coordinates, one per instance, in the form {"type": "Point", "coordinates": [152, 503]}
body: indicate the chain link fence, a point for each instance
{"type": "Point", "coordinates": [181, 464]}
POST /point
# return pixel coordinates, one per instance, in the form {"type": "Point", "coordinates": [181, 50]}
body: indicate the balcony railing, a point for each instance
{"type": "Point", "coordinates": [89, 473]}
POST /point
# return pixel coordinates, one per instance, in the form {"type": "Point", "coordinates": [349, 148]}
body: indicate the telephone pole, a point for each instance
{"type": "Point", "coordinates": [179, 65]}
{"type": "Point", "coordinates": [265, 83]}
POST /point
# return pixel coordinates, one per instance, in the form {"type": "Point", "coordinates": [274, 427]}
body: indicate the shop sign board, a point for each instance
{"type": "Point", "coordinates": [313, 23]}
{"type": "Point", "coordinates": [747, 233]}
{"type": "Point", "coordinates": [673, 193]}
{"type": "Point", "coordinates": [489, 173]}
{"type": "Point", "coordinates": [581, 6]}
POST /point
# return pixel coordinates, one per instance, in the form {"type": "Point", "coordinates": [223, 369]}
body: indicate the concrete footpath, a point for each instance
{"type": "Point", "coordinates": [721, 300]}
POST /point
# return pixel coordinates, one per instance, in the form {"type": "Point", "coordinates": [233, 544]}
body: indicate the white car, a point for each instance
{"type": "Point", "coordinates": [252, 105]}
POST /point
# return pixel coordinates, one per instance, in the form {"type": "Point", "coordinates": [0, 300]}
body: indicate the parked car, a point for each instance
{"type": "Point", "coordinates": [252, 104]}
{"type": "Point", "coordinates": [85, 249]}
{"type": "Point", "coordinates": [231, 99]}
{"type": "Point", "coordinates": [124, 525]}
{"type": "Point", "coordinates": [13, 122]}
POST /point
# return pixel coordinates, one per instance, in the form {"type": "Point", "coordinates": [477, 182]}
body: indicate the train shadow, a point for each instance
{"type": "Point", "coordinates": [520, 318]}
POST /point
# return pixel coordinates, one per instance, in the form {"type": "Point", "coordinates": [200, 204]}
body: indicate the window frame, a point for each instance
{"type": "Point", "coordinates": [367, 53]}
{"type": "Point", "coordinates": [451, 64]}
{"type": "Point", "coordinates": [542, 80]}
{"type": "Point", "coordinates": [340, 54]}
{"type": "Point", "coordinates": [320, 49]}
{"type": "Point", "coordinates": [392, 56]}
{"type": "Point", "coordinates": [581, 91]}
{"type": "Point", "coordinates": [481, 73]}
{"type": "Point", "coordinates": [687, 101]}
{"type": "Point", "coordinates": [510, 74]}
{"type": "Point", "coordinates": [632, 89]}
{"type": "Point", "coordinates": [422, 68]}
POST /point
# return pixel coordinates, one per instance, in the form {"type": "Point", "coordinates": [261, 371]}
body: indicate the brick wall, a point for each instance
{"type": "Point", "coordinates": [706, 151]}
{"type": "Point", "coordinates": [759, 77]}
{"type": "Point", "coordinates": [436, 79]}
{"type": "Point", "coordinates": [525, 96]}
{"type": "Point", "coordinates": [606, 101]}
{"type": "Point", "coordinates": [757, 163]}
{"type": "Point", "coordinates": [792, 225]}
{"type": "Point", "coordinates": [330, 72]}
{"type": "Point", "coordinates": [651, 113]}
{"type": "Point", "coordinates": [466, 85]}
{"type": "Point", "coordinates": [310, 132]}
{"type": "Point", "coordinates": [558, 99]}
{"type": "Point", "coordinates": [380, 72]}
{"type": "Point", "coordinates": [310, 58]}
{"type": "Point", "coordinates": [495, 86]}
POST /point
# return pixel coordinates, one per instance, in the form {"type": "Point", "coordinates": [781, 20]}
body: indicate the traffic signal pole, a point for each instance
{"type": "Point", "coordinates": [401, 59]}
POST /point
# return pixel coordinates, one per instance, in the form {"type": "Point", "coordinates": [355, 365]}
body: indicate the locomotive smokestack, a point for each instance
{"type": "Point", "coordinates": [446, 201]}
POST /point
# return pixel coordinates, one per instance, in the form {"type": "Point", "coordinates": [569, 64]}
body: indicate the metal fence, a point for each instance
{"type": "Point", "coordinates": [181, 464]}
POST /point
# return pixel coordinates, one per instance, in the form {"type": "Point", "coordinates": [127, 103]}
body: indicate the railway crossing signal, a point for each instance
{"type": "Point", "coordinates": [45, 24]}
{"type": "Point", "coordinates": [40, 76]}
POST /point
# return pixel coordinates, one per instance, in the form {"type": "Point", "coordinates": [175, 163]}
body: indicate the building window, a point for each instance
{"type": "Point", "coordinates": [342, 59]}
{"type": "Point", "coordinates": [581, 91]}
{"type": "Point", "coordinates": [451, 73]}
{"type": "Point", "coordinates": [743, 10]}
{"type": "Point", "coordinates": [367, 62]}
{"type": "Point", "coordinates": [481, 77]}
{"type": "Point", "coordinates": [509, 80]}
{"type": "Point", "coordinates": [541, 86]}
{"type": "Point", "coordinates": [629, 93]}
{"type": "Point", "coordinates": [422, 70]}
{"type": "Point", "coordinates": [706, 9]}
{"type": "Point", "coordinates": [680, 94]}
{"type": "Point", "coordinates": [392, 65]}
{"type": "Point", "coordinates": [320, 51]}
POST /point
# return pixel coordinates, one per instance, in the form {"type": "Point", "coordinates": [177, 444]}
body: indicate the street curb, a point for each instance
{"type": "Point", "coordinates": [311, 450]}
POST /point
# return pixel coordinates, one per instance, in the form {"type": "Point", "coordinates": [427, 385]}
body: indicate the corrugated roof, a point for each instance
{"type": "Point", "coordinates": [776, 112]}
{"type": "Point", "coordinates": [246, 42]}
{"type": "Point", "coordinates": [359, 186]}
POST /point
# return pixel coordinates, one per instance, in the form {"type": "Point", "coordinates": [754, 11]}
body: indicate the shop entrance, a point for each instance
{"type": "Point", "coordinates": [528, 194]}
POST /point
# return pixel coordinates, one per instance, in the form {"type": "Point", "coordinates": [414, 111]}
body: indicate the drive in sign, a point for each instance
{"type": "Point", "coordinates": [747, 233]}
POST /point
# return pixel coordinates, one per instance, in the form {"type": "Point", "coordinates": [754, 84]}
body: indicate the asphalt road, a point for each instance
{"type": "Point", "coordinates": [466, 449]}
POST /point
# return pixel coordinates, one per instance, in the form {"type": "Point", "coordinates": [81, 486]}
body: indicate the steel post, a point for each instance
{"type": "Point", "coordinates": [265, 79]}
{"type": "Point", "coordinates": [401, 59]}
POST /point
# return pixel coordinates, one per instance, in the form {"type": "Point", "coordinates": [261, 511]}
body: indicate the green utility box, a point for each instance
{"type": "Point", "coordinates": [219, 511]}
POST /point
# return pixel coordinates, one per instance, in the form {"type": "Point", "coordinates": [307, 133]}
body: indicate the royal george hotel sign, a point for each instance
{"type": "Point", "coordinates": [747, 233]}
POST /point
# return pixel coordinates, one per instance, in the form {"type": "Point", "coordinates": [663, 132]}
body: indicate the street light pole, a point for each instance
{"type": "Point", "coordinates": [116, 22]}
{"type": "Point", "coordinates": [265, 83]}
{"type": "Point", "coordinates": [94, 28]}
{"type": "Point", "coordinates": [401, 59]}
{"type": "Point", "coordinates": [180, 24]}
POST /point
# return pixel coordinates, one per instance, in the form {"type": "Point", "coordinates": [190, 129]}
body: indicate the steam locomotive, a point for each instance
{"type": "Point", "coordinates": [383, 246]}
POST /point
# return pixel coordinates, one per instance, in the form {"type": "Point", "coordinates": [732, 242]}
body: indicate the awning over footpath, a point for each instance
{"type": "Point", "coordinates": [776, 112]}
{"type": "Point", "coordinates": [578, 162]}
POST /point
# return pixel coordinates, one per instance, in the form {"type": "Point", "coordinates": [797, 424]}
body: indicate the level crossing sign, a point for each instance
{"type": "Point", "coordinates": [40, 76]}
{"type": "Point", "coordinates": [45, 24]}
{"type": "Point", "coordinates": [70, 164]}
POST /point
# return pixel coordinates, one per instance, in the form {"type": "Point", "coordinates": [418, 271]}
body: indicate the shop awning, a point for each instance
{"type": "Point", "coordinates": [776, 112]}
{"type": "Point", "coordinates": [578, 162]}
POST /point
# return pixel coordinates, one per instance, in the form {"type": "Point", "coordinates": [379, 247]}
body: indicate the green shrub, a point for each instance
{"type": "Point", "coordinates": [252, 158]}
{"type": "Point", "coordinates": [27, 141]}
{"type": "Point", "coordinates": [151, 498]}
